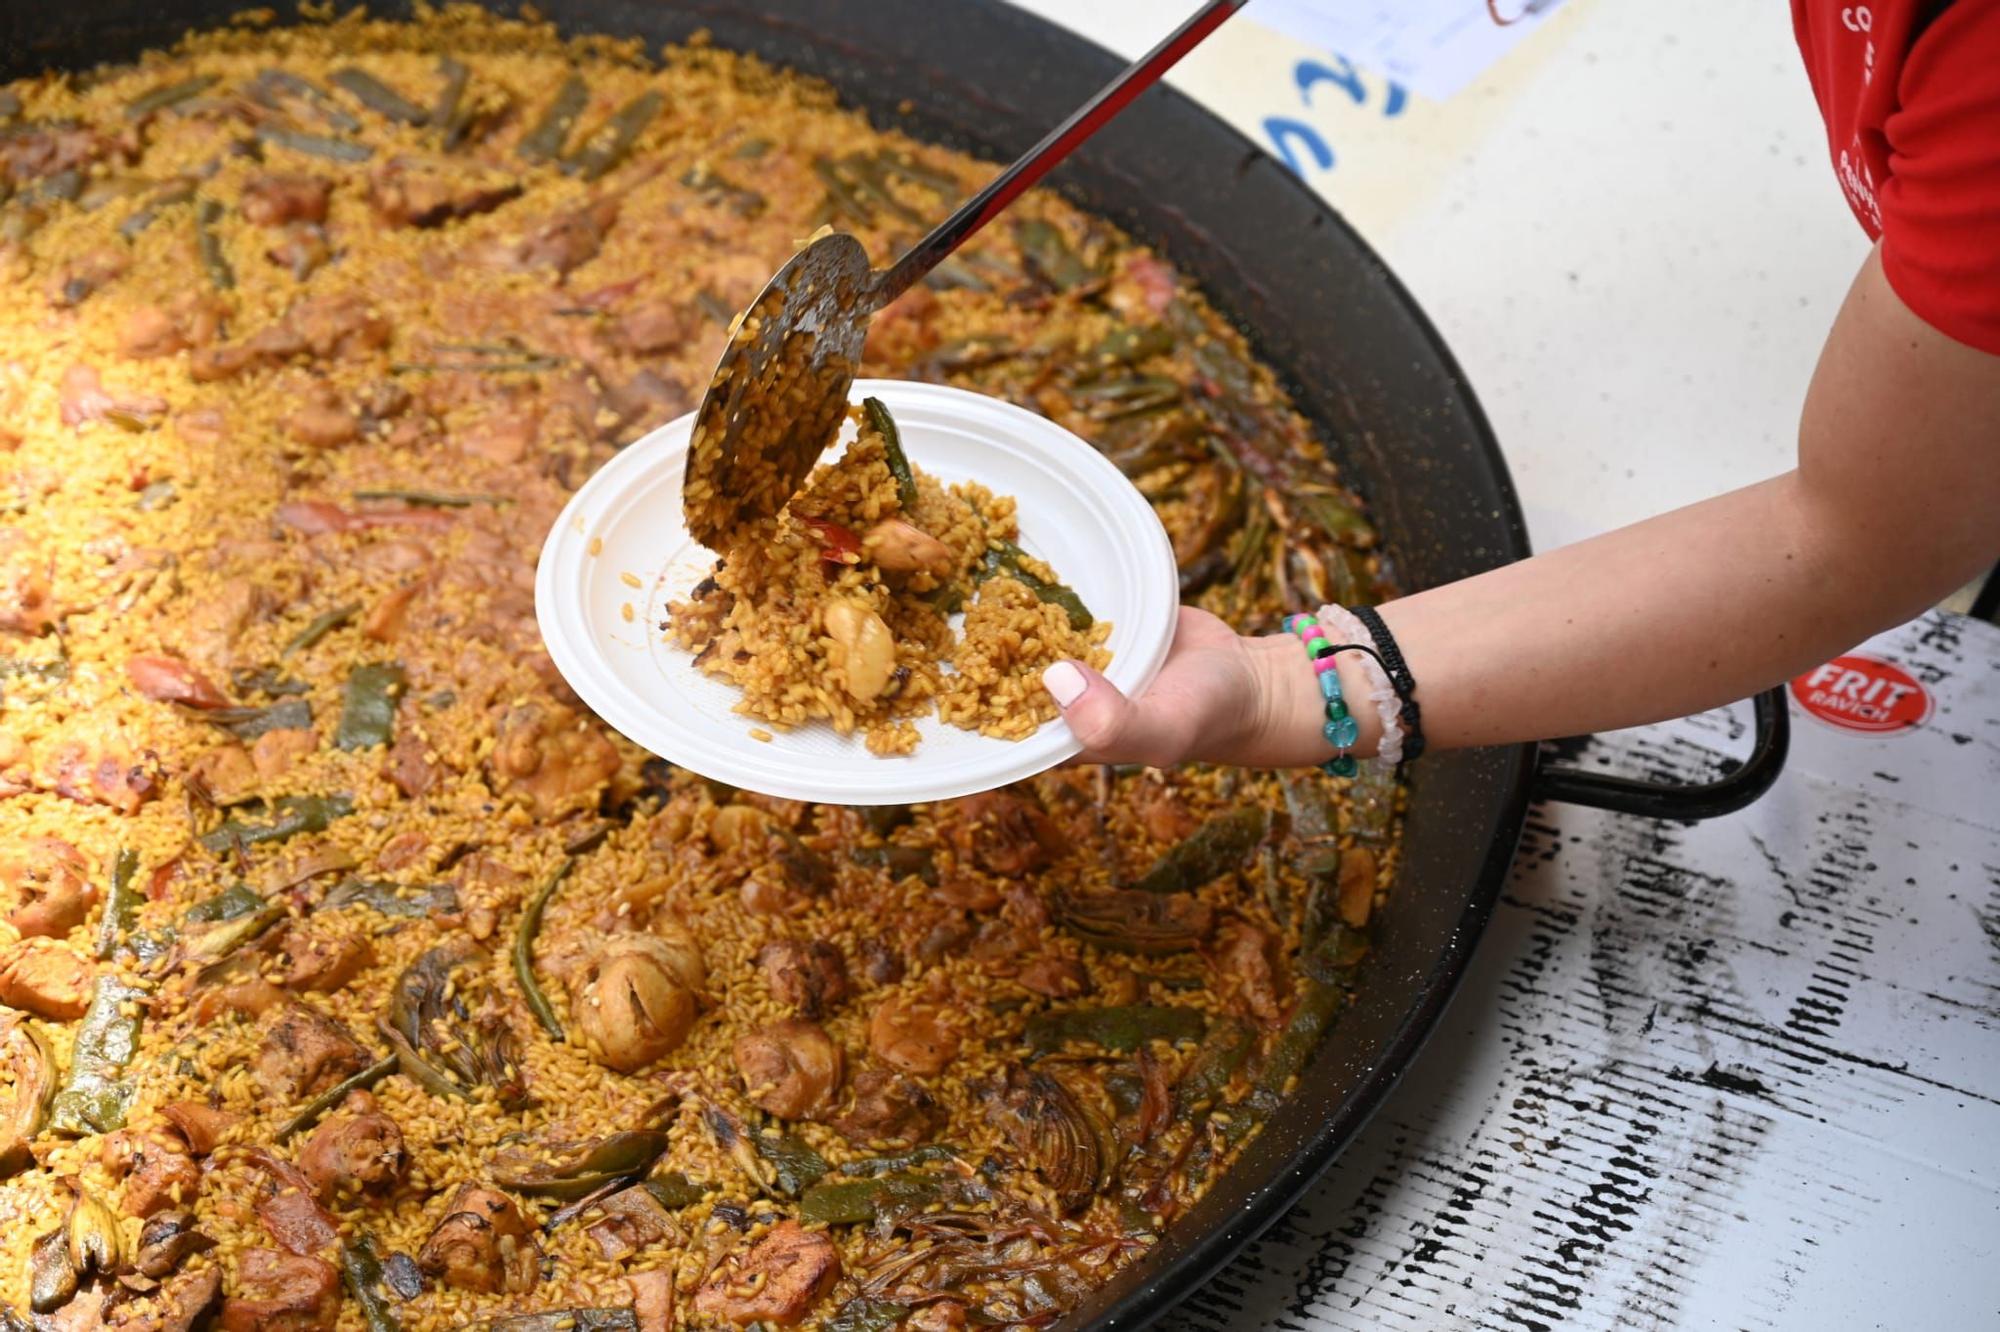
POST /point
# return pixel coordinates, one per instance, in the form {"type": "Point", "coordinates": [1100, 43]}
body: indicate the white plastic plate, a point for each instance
{"type": "Point", "coordinates": [600, 613]}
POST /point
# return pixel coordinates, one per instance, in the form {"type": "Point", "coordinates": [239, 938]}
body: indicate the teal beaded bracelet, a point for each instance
{"type": "Point", "coordinates": [1341, 730]}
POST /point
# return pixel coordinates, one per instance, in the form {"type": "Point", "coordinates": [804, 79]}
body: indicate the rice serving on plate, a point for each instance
{"type": "Point", "coordinates": [839, 608]}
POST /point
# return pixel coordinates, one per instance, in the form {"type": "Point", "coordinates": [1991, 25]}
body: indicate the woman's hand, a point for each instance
{"type": "Point", "coordinates": [1220, 698]}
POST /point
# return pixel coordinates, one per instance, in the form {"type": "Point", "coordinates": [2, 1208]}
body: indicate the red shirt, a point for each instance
{"type": "Point", "coordinates": [1910, 90]}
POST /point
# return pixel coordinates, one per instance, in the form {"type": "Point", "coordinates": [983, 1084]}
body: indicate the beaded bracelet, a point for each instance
{"type": "Point", "coordinates": [1389, 751]}
{"type": "Point", "coordinates": [1399, 675]}
{"type": "Point", "coordinates": [1341, 730]}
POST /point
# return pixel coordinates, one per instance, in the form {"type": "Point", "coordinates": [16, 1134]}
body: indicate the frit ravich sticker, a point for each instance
{"type": "Point", "coordinates": [1863, 694]}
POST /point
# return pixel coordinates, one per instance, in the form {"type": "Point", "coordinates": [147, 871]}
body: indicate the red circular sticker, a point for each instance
{"type": "Point", "coordinates": [1864, 694]}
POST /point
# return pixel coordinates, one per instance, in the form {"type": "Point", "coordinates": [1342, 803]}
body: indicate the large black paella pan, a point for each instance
{"type": "Point", "coordinates": [1359, 357]}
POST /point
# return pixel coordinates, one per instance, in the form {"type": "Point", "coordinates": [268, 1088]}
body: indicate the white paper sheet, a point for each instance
{"type": "Point", "coordinates": [1435, 47]}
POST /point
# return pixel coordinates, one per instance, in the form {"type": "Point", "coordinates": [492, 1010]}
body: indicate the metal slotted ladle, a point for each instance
{"type": "Point", "coordinates": [778, 394]}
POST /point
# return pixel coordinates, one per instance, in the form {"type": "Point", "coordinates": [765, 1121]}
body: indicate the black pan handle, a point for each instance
{"type": "Point", "coordinates": [1707, 800]}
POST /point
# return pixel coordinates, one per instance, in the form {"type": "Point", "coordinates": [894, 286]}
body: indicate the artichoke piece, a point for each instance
{"type": "Point", "coordinates": [447, 1032]}
{"type": "Point", "coordinates": [166, 1239]}
{"type": "Point", "coordinates": [567, 1171]}
{"type": "Point", "coordinates": [52, 1279]}
{"type": "Point", "coordinates": [1133, 921]}
{"type": "Point", "coordinates": [24, 1107]}
{"type": "Point", "coordinates": [85, 1244]}
{"type": "Point", "coordinates": [1053, 1130]}
{"type": "Point", "coordinates": [780, 1165]}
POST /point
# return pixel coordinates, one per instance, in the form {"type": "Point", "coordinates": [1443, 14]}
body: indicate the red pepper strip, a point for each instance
{"type": "Point", "coordinates": [838, 545]}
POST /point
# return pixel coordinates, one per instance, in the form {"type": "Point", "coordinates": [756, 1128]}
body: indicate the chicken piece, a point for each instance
{"type": "Point", "coordinates": [323, 421]}
{"type": "Point", "coordinates": [1247, 970]}
{"type": "Point", "coordinates": [199, 314]}
{"type": "Point", "coordinates": [27, 598]}
{"type": "Point", "coordinates": [301, 249]}
{"type": "Point", "coordinates": [1004, 834]}
{"type": "Point", "coordinates": [178, 1304]}
{"type": "Point", "coordinates": [789, 1068]}
{"type": "Point", "coordinates": [564, 241]}
{"type": "Point", "coordinates": [50, 882]}
{"type": "Point", "coordinates": [282, 1292]}
{"type": "Point", "coordinates": [303, 1052]}
{"type": "Point", "coordinates": [157, 1170]}
{"type": "Point", "coordinates": [880, 962]}
{"type": "Point", "coordinates": [886, 1108]}
{"type": "Point", "coordinates": [30, 153]}
{"type": "Point", "coordinates": [150, 331]}
{"type": "Point", "coordinates": [1141, 289]}
{"type": "Point", "coordinates": [220, 619]}
{"type": "Point", "coordinates": [943, 1316]}
{"type": "Point", "coordinates": [660, 324]}
{"type": "Point", "coordinates": [630, 1220]}
{"type": "Point", "coordinates": [910, 1033]}
{"type": "Point", "coordinates": [226, 774]}
{"type": "Point", "coordinates": [777, 1281]}
{"type": "Point", "coordinates": [251, 996]}
{"type": "Point", "coordinates": [277, 198]}
{"type": "Point", "coordinates": [72, 283]}
{"type": "Point", "coordinates": [171, 680]}
{"type": "Point", "coordinates": [202, 1127]}
{"type": "Point", "coordinates": [322, 958]}
{"type": "Point", "coordinates": [1054, 977]}
{"type": "Point", "coordinates": [652, 1300]}
{"type": "Point", "coordinates": [1165, 814]}
{"type": "Point", "coordinates": [165, 1240]}
{"type": "Point", "coordinates": [274, 752]}
{"type": "Point", "coordinates": [551, 756]}
{"type": "Point", "coordinates": [101, 769]}
{"type": "Point", "coordinates": [967, 892]}
{"type": "Point", "coordinates": [83, 399]}
{"type": "Point", "coordinates": [46, 978]}
{"type": "Point", "coordinates": [810, 976]}
{"type": "Point", "coordinates": [358, 1149]}
{"type": "Point", "coordinates": [483, 1244]}
{"type": "Point", "coordinates": [209, 365]}
{"type": "Point", "coordinates": [502, 439]}
{"type": "Point", "coordinates": [342, 324]}
{"type": "Point", "coordinates": [384, 621]}
{"type": "Point", "coordinates": [410, 191]}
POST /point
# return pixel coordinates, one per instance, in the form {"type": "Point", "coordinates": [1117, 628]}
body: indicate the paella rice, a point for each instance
{"type": "Point", "coordinates": [352, 975]}
{"type": "Point", "coordinates": [840, 606]}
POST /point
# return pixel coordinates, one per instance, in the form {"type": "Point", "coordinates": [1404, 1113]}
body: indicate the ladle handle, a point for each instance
{"type": "Point", "coordinates": [983, 207]}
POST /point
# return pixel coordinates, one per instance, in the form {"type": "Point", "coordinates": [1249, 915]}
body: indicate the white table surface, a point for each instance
{"type": "Point", "coordinates": [1744, 1074]}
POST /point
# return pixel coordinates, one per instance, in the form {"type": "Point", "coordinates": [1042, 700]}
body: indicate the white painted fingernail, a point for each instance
{"type": "Point", "coordinates": [1064, 682]}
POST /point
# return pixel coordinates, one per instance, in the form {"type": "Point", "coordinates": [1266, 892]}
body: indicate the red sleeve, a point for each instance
{"type": "Point", "coordinates": [1941, 202]}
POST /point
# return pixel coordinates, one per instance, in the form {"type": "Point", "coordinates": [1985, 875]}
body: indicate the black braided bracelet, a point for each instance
{"type": "Point", "coordinates": [1400, 679]}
